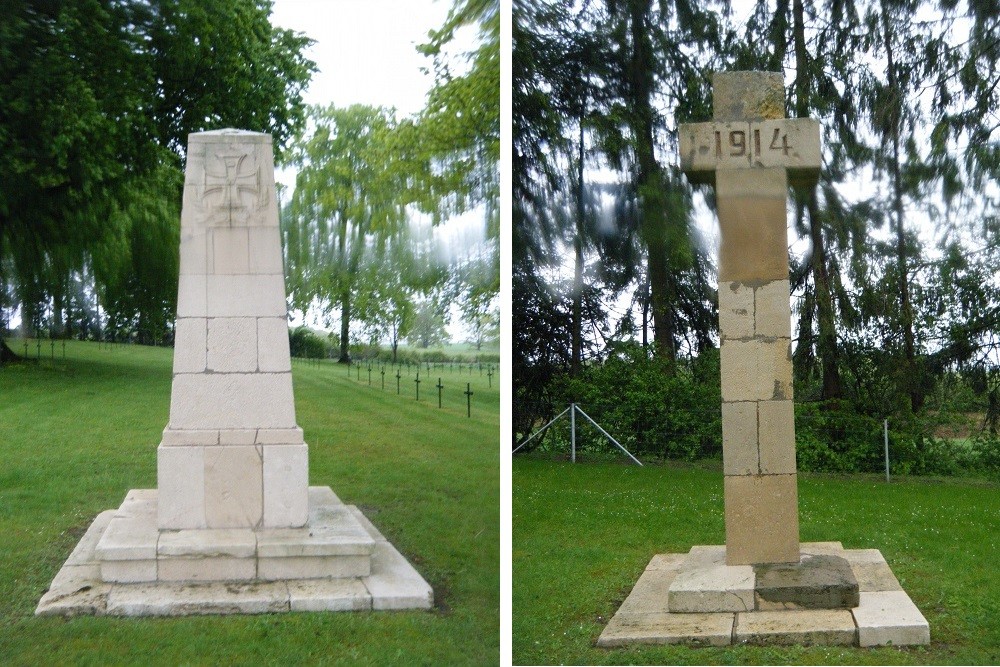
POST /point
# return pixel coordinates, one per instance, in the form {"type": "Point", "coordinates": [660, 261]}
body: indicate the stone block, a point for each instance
{"type": "Point", "coordinates": [313, 567]}
{"type": "Point", "coordinates": [128, 571]}
{"type": "Point", "coordinates": [127, 538]}
{"type": "Point", "coordinates": [748, 96]}
{"type": "Point", "coordinates": [272, 349]}
{"type": "Point", "coordinates": [232, 344]}
{"type": "Point", "coordinates": [739, 438]}
{"type": "Point", "coordinates": [193, 247]}
{"type": "Point", "coordinates": [756, 370]}
{"type": "Point", "coordinates": [265, 251]}
{"type": "Point", "coordinates": [286, 484]}
{"type": "Point", "coordinates": [164, 599]}
{"type": "Point", "coordinates": [792, 143]}
{"type": "Point", "coordinates": [706, 147]}
{"type": "Point", "coordinates": [192, 295]}
{"type": "Point", "coordinates": [821, 548]}
{"type": "Point", "coordinates": [279, 436]}
{"type": "Point", "coordinates": [246, 296]}
{"type": "Point", "coordinates": [76, 589]}
{"type": "Point", "coordinates": [650, 593]}
{"type": "Point", "coordinates": [875, 577]}
{"type": "Point", "coordinates": [208, 543]}
{"type": "Point", "coordinates": [230, 251]}
{"type": "Point", "coordinates": [216, 568]}
{"type": "Point", "coordinates": [189, 437]}
{"type": "Point", "coordinates": [752, 217]}
{"type": "Point", "coordinates": [805, 627]}
{"type": "Point", "coordinates": [180, 477]}
{"type": "Point", "coordinates": [890, 618]}
{"type": "Point", "coordinates": [712, 588]}
{"type": "Point", "coordinates": [394, 583]}
{"type": "Point", "coordinates": [232, 400]}
{"type": "Point", "coordinates": [736, 310]}
{"type": "Point", "coordinates": [858, 556]}
{"type": "Point", "coordinates": [772, 311]}
{"type": "Point", "coordinates": [138, 503]}
{"type": "Point", "coordinates": [238, 436]}
{"type": "Point", "coordinates": [84, 552]}
{"type": "Point", "coordinates": [693, 629]}
{"type": "Point", "coordinates": [776, 433]}
{"type": "Point", "coordinates": [329, 595]}
{"type": "Point", "coordinates": [335, 532]}
{"type": "Point", "coordinates": [190, 344]}
{"type": "Point", "coordinates": [815, 582]}
{"type": "Point", "coordinates": [762, 521]}
{"type": "Point", "coordinates": [233, 484]}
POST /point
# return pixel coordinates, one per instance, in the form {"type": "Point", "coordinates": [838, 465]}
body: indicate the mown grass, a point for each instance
{"type": "Point", "coordinates": [582, 534]}
{"type": "Point", "coordinates": [75, 436]}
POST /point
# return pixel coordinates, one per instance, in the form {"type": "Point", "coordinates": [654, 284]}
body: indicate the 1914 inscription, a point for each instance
{"type": "Point", "coordinates": [792, 144]}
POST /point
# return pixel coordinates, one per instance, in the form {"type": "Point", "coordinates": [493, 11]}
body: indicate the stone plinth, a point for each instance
{"type": "Point", "coordinates": [233, 526]}
{"type": "Point", "coordinates": [835, 596]}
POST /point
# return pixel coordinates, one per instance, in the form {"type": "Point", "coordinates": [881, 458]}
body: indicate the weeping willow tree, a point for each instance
{"type": "Point", "coordinates": [349, 203]}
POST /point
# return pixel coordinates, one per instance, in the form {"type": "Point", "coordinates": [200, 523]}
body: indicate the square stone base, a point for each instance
{"type": "Point", "coordinates": [684, 599]}
{"type": "Point", "coordinates": [123, 566]}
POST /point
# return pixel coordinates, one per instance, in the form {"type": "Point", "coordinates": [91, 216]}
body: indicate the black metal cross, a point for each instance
{"type": "Point", "coordinates": [489, 376]}
{"type": "Point", "coordinates": [440, 387]}
{"type": "Point", "coordinates": [418, 385]}
{"type": "Point", "coordinates": [468, 399]}
{"type": "Point", "coordinates": [369, 375]}
{"type": "Point", "coordinates": [397, 381]}
{"type": "Point", "coordinates": [383, 378]}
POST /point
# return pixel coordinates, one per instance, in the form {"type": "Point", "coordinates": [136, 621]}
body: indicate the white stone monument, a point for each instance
{"type": "Point", "coordinates": [234, 526]}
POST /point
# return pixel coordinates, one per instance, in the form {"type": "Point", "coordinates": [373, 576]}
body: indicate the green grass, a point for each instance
{"type": "Point", "coordinates": [75, 436]}
{"type": "Point", "coordinates": [582, 534]}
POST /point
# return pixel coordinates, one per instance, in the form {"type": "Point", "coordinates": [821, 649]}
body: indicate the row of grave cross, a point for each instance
{"type": "Point", "coordinates": [440, 387]}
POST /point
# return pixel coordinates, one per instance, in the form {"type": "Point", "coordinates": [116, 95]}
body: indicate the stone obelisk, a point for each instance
{"type": "Point", "coordinates": [232, 455]}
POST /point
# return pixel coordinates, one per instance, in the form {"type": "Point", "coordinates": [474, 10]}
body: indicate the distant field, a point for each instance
{"type": "Point", "coordinates": [76, 435]}
{"type": "Point", "coordinates": [583, 533]}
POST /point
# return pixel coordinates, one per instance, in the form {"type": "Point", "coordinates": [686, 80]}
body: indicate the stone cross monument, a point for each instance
{"type": "Point", "coordinates": [750, 152]}
{"type": "Point", "coordinates": [762, 586]}
{"type": "Point", "coordinates": [234, 526]}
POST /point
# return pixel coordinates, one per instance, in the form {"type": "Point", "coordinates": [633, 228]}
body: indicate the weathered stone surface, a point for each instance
{"type": "Point", "coordinates": [185, 599]}
{"type": "Point", "coordinates": [128, 571]}
{"type": "Point", "coordinates": [329, 595]}
{"type": "Point", "coordinates": [666, 561]}
{"type": "Point", "coordinates": [394, 583]}
{"type": "Point", "coordinates": [736, 310]}
{"type": "Point", "coordinates": [83, 553]}
{"type": "Point", "coordinates": [76, 590]}
{"type": "Point", "coordinates": [313, 567]}
{"type": "Point", "coordinates": [890, 618]}
{"type": "Point", "coordinates": [810, 626]}
{"type": "Point", "coordinates": [286, 483]}
{"type": "Point", "coordinates": [762, 521]}
{"type": "Point", "coordinates": [756, 370]}
{"type": "Point", "coordinates": [712, 588]}
{"type": "Point", "coordinates": [662, 628]}
{"type": "Point", "coordinates": [815, 582]}
{"type": "Point", "coordinates": [772, 311]}
{"type": "Point", "coordinates": [875, 577]}
{"type": "Point", "coordinates": [214, 568]}
{"type": "Point", "coordinates": [272, 349]}
{"type": "Point", "coordinates": [180, 477]}
{"type": "Point", "coordinates": [739, 438]}
{"type": "Point", "coordinates": [204, 543]}
{"type": "Point", "coordinates": [230, 251]}
{"type": "Point", "coordinates": [127, 538]}
{"type": "Point", "coordinates": [754, 243]}
{"type": "Point", "coordinates": [649, 595]}
{"type": "Point", "coordinates": [748, 96]}
{"type": "Point", "coordinates": [776, 437]}
{"type": "Point", "coordinates": [233, 487]}
{"type": "Point", "coordinates": [232, 344]}
{"type": "Point", "coordinates": [190, 344]}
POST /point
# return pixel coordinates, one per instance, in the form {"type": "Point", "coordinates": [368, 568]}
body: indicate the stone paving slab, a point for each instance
{"type": "Point", "coordinates": [890, 618]}
{"type": "Point", "coordinates": [78, 588]}
{"type": "Point", "coordinates": [665, 628]}
{"type": "Point", "coordinates": [800, 626]}
{"type": "Point", "coordinates": [886, 616]}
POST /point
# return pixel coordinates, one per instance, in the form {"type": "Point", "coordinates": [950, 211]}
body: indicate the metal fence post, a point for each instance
{"type": "Point", "coordinates": [885, 431]}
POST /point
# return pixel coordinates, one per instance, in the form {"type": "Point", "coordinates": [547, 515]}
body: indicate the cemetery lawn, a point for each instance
{"type": "Point", "coordinates": [76, 435]}
{"type": "Point", "coordinates": [583, 533]}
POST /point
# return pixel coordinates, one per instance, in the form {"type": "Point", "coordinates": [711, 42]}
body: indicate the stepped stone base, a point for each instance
{"type": "Point", "coordinates": [124, 566]}
{"type": "Point", "coordinates": [832, 596]}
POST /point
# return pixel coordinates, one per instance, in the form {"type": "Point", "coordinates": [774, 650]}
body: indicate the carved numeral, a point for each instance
{"type": "Point", "coordinates": [738, 142]}
{"type": "Point", "coordinates": [784, 147]}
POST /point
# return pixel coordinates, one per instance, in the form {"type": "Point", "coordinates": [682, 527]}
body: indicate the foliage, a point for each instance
{"type": "Point", "coordinates": [97, 98]}
{"type": "Point", "coordinates": [304, 343]}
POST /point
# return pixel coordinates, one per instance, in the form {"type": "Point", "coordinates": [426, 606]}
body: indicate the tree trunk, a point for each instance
{"type": "Point", "coordinates": [649, 178]}
{"type": "Point", "coordinates": [577, 324]}
{"type": "Point", "coordinates": [911, 381]}
{"type": "Point", "coordinates": [345, 327]}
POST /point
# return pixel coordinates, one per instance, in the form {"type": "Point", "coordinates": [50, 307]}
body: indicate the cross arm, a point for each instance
{"type": "Point", "coordinates": [792, 143]}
